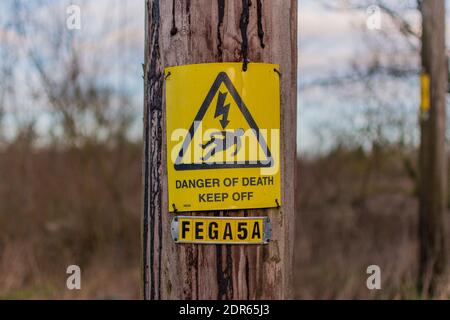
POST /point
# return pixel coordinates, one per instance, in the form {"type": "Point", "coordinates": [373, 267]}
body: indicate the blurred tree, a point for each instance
{"type": "Point", "coordinates": [395, 55]}
{"type": "Point", "coordinates": [66, 80]}
{"type": "Point", "coordinates": [378, 79]}
{"type": "Point", "coordinates": [433, 159]}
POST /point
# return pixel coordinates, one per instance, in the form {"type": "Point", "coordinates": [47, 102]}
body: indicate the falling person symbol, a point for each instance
{"type": "Point", "coordinates": [222, 141]}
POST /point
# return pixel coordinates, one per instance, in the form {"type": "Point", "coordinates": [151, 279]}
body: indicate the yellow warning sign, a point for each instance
{"type": "Point", "coordinates": [229, 230]}
{"type": "Point", "coordinates": [223, 136]}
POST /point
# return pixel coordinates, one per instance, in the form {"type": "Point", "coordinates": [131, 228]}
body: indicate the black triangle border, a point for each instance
{"type": "Point", "coordinates": [223, 78]}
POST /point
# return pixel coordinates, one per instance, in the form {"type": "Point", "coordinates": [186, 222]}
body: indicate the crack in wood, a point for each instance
{"type": "Point", "coordinates": [188, 12]}
{"type": "Point", "coordinates": [243, 25]}
{"type": "Point", "coordinates": [152, 159]}
{"type": "Point", "coordinates": [174, 29]}
{"type": "Point", "coordinates": [221, 13]}
{"type": "Point", "coordinates": [260, 25]}
{"type": "Point", "coordinates": [224, 275]}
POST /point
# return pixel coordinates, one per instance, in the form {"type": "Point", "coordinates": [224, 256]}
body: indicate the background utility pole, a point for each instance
{"type": "Point", "coordinates": [433, 173]}
{"type": "Point", "coordinates": [198, 31]}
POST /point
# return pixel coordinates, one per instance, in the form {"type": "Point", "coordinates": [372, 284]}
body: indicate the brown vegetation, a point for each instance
{"type": "Point", "coordinates": [357, 209]}
{"type": "Point", "coordinates": [72, 206]}
{"type": "Point", "coordinates": [82, 206]}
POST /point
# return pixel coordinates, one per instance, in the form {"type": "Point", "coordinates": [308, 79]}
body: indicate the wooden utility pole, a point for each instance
{"type": "Point", "coordinates": [433, 171]}
{"type": "Point", "coordinates": [180, 32]}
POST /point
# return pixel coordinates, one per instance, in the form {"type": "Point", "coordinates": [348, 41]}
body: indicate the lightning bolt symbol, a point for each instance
{"type": "Point", "coordinates": [222, 110]}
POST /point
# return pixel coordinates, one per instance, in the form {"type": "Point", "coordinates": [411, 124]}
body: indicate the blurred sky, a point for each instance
{"type": "Point", "coordinates": [113, 29]}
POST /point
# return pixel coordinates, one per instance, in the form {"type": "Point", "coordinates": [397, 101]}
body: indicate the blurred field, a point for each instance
{"type": "Point", "coordinates": [76, 206]}
{"type": "Point", "coordinates": [356, 210]}
{"type": "Point", "coordinates": [82, 206]}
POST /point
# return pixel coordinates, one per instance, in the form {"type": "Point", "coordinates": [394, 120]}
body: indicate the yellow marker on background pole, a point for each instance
{"type": "Point", "coordinates": [425, 93]}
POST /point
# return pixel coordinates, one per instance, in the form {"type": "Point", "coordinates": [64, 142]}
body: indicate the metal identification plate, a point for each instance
{"type": "Point", "coordinates": [221, 230]}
